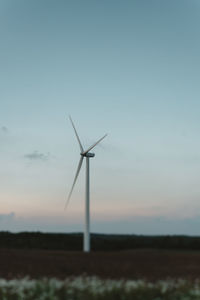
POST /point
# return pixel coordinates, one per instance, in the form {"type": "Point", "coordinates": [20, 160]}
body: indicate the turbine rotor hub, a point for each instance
{"type": "Point", "coordinates": [88, 154]}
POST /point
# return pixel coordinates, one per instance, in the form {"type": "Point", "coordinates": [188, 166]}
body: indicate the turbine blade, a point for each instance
{"type": "Point", "coordinates": [91, 147]}
{"type": "Point", "coordinates": [75, 178]}
{"type": "Point", "coordinates": [81, 147]}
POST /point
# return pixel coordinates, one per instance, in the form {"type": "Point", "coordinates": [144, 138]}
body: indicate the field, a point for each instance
{"type": "Point", "coordinates": [141, 274]}
{"type": "Point", "coordinates": [134, 264]}
{"type": "Point", "coordinates": [36, 266]}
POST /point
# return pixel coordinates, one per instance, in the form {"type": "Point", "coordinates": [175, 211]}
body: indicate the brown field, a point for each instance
{"type": "Point", "coordinates": [134, 264]}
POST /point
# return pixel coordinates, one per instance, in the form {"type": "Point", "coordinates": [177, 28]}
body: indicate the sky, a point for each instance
{"type": "Point", "coordinates": [127, 68]}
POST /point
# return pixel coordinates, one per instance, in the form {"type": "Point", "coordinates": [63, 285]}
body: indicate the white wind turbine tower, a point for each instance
{"type": "Point", "coordinates": [87, 154]}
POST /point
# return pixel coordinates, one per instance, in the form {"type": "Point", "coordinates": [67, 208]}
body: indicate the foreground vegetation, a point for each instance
{"type": "Point", "coordinates": [99, 242]}
{"type": "Point", "coordinates": [93, 288]}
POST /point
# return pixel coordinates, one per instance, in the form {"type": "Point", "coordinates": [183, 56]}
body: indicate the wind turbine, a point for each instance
{"type": "Point", "coordinates": [87, 154]}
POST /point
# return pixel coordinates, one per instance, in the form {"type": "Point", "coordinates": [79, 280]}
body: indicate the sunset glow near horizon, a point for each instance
{"type": "Point", "coordinates": [127, 68]}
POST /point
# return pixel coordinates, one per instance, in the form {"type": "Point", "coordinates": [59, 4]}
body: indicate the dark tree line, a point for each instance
{"type": "Point", "coordinates": [99, 242]}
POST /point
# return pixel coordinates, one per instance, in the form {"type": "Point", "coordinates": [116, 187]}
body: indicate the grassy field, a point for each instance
{"type": "Point", "coordinates": [93, 288]}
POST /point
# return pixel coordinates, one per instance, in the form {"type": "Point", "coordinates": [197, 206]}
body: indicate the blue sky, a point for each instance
{"type": "Point", "coordinates": [127, 68]}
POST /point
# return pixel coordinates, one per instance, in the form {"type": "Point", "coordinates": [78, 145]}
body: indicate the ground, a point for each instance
{"type": "Point", "coordinates": [134, 264]}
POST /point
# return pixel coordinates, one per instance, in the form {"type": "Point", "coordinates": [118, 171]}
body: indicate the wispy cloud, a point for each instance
{"type": "Point", "coordinates": [35, 155]}
{"type": "Point", "coordinates": [4, 129]}
{"type": "Point", "coordinates": [7, 217]}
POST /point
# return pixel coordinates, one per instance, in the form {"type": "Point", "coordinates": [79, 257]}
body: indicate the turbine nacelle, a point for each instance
{"type": "Point", "coordinates": [88, 154]}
